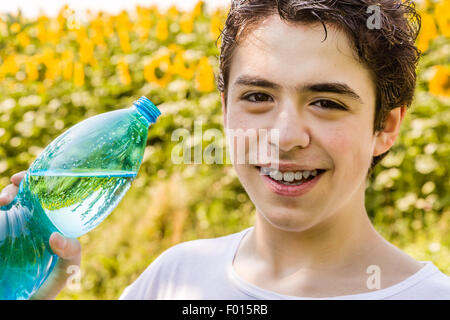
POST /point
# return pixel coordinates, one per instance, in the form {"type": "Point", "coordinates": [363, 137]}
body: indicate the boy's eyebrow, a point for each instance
{"type": "Point", "coordinates": [334, 87]}
{"type": "Point", "coordinates": [246, 80]}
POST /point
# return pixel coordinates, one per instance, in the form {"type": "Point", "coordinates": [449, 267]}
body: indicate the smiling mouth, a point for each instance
{"type": "Point", "coordinates": [290, 178]}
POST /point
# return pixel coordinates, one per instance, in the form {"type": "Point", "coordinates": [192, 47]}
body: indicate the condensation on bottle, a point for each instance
{"type": "Point", "coordinates": [73, 185]}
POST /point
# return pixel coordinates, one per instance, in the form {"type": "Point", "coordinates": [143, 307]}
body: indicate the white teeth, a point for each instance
{"type": "Point", "coordinates": [276, 175]}
{"type": "Point", "coordinates": [288, 176]}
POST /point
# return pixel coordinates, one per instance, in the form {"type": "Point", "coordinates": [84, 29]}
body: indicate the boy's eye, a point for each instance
{"type": "Point", "coordinates": [257, 97]}
{"type": "Point", "coordinates": [328, 104]}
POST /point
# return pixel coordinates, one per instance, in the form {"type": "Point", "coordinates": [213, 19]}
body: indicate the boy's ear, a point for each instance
{"type": "Point", "coordinates": [224, 109]}
{"type": "Point", "coordinates": [386, 137]}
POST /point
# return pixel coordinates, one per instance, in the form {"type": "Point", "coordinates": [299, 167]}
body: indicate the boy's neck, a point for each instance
{"type": "Point", "coordinates": [328, 259]}
{"type": "Point", "coordinates": [337, 242]}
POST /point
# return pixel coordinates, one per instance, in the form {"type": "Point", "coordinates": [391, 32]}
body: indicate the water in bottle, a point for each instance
{"type": "Point", "coordinates": [70, 188]}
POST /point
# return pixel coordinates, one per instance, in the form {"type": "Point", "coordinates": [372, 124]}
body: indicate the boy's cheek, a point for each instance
{"type": "Point", "coordinates": [336, 140]}
{"type": "Point", "coordinates": [349, 149]}
{"type": "Point", "coordinates": [234, 121]}
{"type": "Point", "coordinates": [340, 145]}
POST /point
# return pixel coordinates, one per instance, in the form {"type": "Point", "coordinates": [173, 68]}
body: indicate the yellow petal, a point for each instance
{"type": "Point", "coordinates": [440, 83]}
{"type": "Point", "coordinates": [78, 74]}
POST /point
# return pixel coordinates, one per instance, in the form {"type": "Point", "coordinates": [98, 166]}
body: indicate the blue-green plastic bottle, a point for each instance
{"type": "Point", "coordinates": [70, 188]}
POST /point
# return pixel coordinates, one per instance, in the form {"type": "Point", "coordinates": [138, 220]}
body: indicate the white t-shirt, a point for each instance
{"type": "Point", "coordinates": [202, 269]}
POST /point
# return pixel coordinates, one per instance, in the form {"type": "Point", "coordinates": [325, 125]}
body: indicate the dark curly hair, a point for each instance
{"type": "Point", "coordinates": [389, 51]}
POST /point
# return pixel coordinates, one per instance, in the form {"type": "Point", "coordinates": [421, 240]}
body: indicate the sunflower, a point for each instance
{"type": "Point", "coordinates": [204, 77]}
{"type": "Point", "coordinates": [216, 24]}
{"type": "Point", "coordinates": [198, 9]}
{"type": "Point", "coordinates": [440, 83]}
{"type": "Point", "coordinates": [427, 33]}
{"type": "Point", "coordinates": [187, 22]}
{"type": "Point", "coordinates": [67, 65]}
{"type": "Point", "coordinates": [124, 40]}
{"type": "Point", "coordinates": [178, 67]}
{"type": "Point", "coordinates": [23, 39]}
{"type": "Point", "coordinates": [443, 17]}
{"type": "Point", "coordinates": [78, 74]}
{"type": "Point", "coordinates": [122, 70]}
{"type": "Point", "coordinates": [157, 70]}
{"type": "Point", "coordinates": [15, 27]}
{"type": "Point", "coordinates": [162, 29]}
{"type": "Point", "coordinates": [144, 23]}
{"type": "Point", "coordinates": [31, 67]}
{"type": "Point", "coordinates": [10, 65]}
{"type": "Point", "coordinates": [87, 51]}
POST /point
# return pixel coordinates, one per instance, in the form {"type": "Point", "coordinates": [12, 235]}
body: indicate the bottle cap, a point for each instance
{"type": "Point", "coordinates": [147, 109]}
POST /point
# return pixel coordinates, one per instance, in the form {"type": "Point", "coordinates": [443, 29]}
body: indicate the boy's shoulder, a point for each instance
{"type": "Point", "coordinates": [200, 251]}
{"type": "Point", "coordinates": [187, 269]}
{"type": "Point", "coordinates": [429, 283]}
{"type": "Point", "coordinates": [439, 284]}
{"type": "Point", "coordinates": [210, 245]}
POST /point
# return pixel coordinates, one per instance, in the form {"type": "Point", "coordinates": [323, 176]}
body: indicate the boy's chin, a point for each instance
{"type": "Point", "coordinates": [288, 220]}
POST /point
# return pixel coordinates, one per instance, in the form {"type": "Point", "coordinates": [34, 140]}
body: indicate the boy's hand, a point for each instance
{"type": "Point", "coordinates": [10, 191]}
{"type": "Point", "coordinates": [68, 250]}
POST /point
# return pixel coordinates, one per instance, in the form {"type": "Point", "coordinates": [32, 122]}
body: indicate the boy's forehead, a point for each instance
{"type": "Point", "coordinates": [273, 28]}
{"type": "Point", "coordinates": [274, 39]}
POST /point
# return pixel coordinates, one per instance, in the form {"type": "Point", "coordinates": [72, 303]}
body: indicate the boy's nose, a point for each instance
{"type": "Point", "coordinates": [292, 129]}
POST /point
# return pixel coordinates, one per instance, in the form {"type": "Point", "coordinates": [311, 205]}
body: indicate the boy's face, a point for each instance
{"type": "Point", "coordinates": [311, 79]}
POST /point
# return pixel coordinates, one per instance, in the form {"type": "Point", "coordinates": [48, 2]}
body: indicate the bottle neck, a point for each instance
{"type": "Point", "coordinates": [147, 109]}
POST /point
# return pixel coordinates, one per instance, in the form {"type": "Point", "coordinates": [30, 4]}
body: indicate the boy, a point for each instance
{"type": "Point", "coordinates": [336, 92]}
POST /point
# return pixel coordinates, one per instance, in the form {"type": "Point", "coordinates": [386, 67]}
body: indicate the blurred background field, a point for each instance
{"type": "Point", "coordinates": [58, 70]}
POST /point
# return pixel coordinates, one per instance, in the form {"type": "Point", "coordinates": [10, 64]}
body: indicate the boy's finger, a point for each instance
{"type": "Point", "coordinates": [16, 178]}
{"type": "Point", "coordinates": [7, 194]}
{"type": "Point", "coordinates": [65, 248]}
